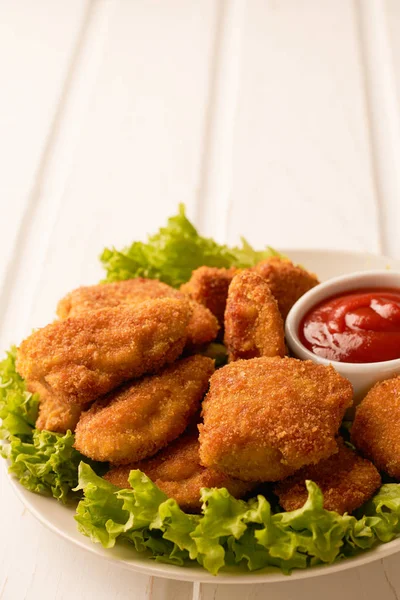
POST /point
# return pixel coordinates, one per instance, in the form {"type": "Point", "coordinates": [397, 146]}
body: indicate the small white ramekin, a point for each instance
{"type": "Point", "coordinates": [361, 376]}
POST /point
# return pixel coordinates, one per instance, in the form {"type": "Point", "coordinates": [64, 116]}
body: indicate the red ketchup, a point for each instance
{"type": "Point", "coordinates": [361, 326]}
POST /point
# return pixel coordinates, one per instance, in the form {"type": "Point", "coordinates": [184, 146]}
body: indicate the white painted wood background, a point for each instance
{"type": "Point", "coordinates": [275, 119]}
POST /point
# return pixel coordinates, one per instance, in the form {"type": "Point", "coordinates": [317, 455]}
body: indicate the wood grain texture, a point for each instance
{"type": "Point", "coordinates": [255, 114]}
{"type": "Point", "coordinates": [89, 198]}
{"type": "Point", "coordinates": [391, 23]}
{"type": "Point", "coordinates": [301, 165]}
{"type": "Point", "coordinates": [366, 583]}
{"type": "Point", "coordinates": [37, 46]}
{"type": "Point", "coordinates": [137, 155]}
{"type": "Point", "coordinates": [35, 563]}
{"type": "Point", "coordinates": [384, 119]}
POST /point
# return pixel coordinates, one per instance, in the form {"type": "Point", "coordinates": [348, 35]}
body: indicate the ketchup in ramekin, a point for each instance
{"type": "Point", "coordinates": [360, 326]}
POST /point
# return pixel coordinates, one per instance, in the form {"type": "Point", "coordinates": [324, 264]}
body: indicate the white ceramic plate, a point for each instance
{"type": "Point", "coordinates": [60, 519]}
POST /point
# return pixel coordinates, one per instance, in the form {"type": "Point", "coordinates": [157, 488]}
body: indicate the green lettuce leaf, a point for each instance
{"type": "Point", "coordinates": [47, 464]}
{"type": "Point", "coordinates": [218, 353]}
{"type": "Point", "coordinates": [18, 407]}
{"type": "Point", "coordinates": [141, 516]}
{"type": "Point", "coordinates": [231, 532]}
{"type": "Point", "coordinates": [43, 462]}
{"type": "Point", "coordinates": [174, 252]}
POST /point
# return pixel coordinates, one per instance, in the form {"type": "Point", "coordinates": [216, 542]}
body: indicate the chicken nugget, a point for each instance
{"type": "Point", "coordinates": [177, 471]}
{"type": "Point", "coordinates": [54, 415]}
{"type": "Point", "coordinates": [202, 328]}
{"type": "Point", "coordinates": [376, 427]}
{"type": "Point", "coordinates": [209, 286]}
{"type": "Point", "coordinates": [287, 281]}
{"type": "Point", "coordinates": [84, 357]}
{"type": "Point", "coordinates": [253, 323]}
{"type": "Point", "coordinates": [108, 295]}
{"type": "Point", "coordinates": [57, 416]}
{"type": "Point", "coordinates": [264, 418]}
{"type": "Point", "coordinates": [345, 479]}
{"type": "Point", "coordinates": [139, 419]}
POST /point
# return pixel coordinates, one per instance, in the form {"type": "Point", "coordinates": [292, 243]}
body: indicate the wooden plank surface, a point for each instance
{"type": "Point", "coordinates": [256, 114]}
{"type": "Point", "coordinates": [301, 160]}
{"type": "Point", "coordinates": [136, 158]}
{"type": "Point", "coordinates": [37, 50]}
{"type": "Point", "coordinates": [88, 199]}
{"type": "Point", "coordinates": [366, 583]}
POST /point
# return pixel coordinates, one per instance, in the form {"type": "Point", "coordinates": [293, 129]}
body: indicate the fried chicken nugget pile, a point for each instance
{"type": "Point", "coordinates": [345, 479]}
{"type": "Point", "coordinates": [264, 418]}
{"type": "Point", "coordinates": [253, 323]}
{"type": "Point", "coordinates": [83, 357]}
{"type": "Point", "coordinates": [177, 471]}
{"type": "Point", "coordinates": [203, 325]}
{"type": "Point", "coordinates": [139, 419]}
{"type": "Point", "coordinates": [112, 370]}
{"type": "Point", "coordinates": [287, 281]}
{"type": "Point", "coordinates": [376, 426]}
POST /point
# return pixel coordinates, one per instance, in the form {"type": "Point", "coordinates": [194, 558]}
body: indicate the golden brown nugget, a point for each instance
{"type": "Point", "coordinates": [202, 328]}
{"type": "Point", "coordinates": [54, 415]}
{"type": "Point", "coordinates": [264, 418]}
{"type": "Point", "coordinates": [177, 471]}
{"type": "Point", "coordinates": [345, 479]}
{"type": "Point", "coordinates": [209, 286]}
{"type": "Point", "coordinates": [253, 323]}
{"type": "Point", "coordinates": [287, 281]}
{"type": "Point", "coordinates": [139, 419]}
{"type": "Point", "coordinates": [58, 416]}
{"type": "Point", "coordinates": [376, 426]}
{"type": "Point", "coordinates": [83, 357]}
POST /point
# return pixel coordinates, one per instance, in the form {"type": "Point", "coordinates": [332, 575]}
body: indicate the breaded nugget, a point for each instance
{"type": "Point", "coordinates": [203, 326]}
{"type": "Point", "coordinates": [287, 281]}
{"type": "Point", "coordinates": [84, 357]}
{"type": "Point", "coordinates": [176, 470]}
{"type": "Point", "coordinates": [253, 323]}
{"type": "Point", "coordinates": [264, 418]}
{"type": "Point", "coordinates": [376, 426]}
{"type": "Point", "coordinates": [139, 419]}
{"type": "Point", "coordinates": [209, 286]}
{"type": "Point", "coordinates": [345, 479]}
{"type": "Point", "coordinates": [54, 415]}
{"type": "Point", "coordinates": [57, 416]}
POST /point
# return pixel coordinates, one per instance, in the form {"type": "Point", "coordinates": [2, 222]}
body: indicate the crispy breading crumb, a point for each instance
{"type": "Point", "coordinates": [264, 418]}
{"type": "Point", "coordinates": [287, 281]}
{"type": "Point", "coordinates": [137, 420]}
{"type": "Point", "coordinates": [253, 323]}
{"type": "Point", "coordinates": [202, 328]}
{"type": "Point", "coordinates": [345, 479]}
{"type": "Point", "coordinates": [55, 415]}
{"type": "Point", "coordinates": [209, 286]}
{"type": "Point", "coordinates": [83, 357]}
{"type": "Point", "coordinates": [176, 470]}
{"type": "Point", "coordinates": [376, 427]}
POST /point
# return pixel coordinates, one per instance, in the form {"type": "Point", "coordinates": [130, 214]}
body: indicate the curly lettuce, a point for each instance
{"type": "Point", "coordinates": [174, 252]}
{"type": "Point", "coordinates": [44, 462]}
{"type": "Point", "coordinates": [231, 532]}
{"type": "Point", "coordinates": [18, 407]}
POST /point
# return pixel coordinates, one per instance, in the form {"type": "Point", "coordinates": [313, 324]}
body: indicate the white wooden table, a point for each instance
{"type": "Point", "coordinates": [275, 119]}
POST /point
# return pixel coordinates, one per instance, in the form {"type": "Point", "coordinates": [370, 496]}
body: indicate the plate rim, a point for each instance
{"type": "Point", "coordinates": [197, 574]}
